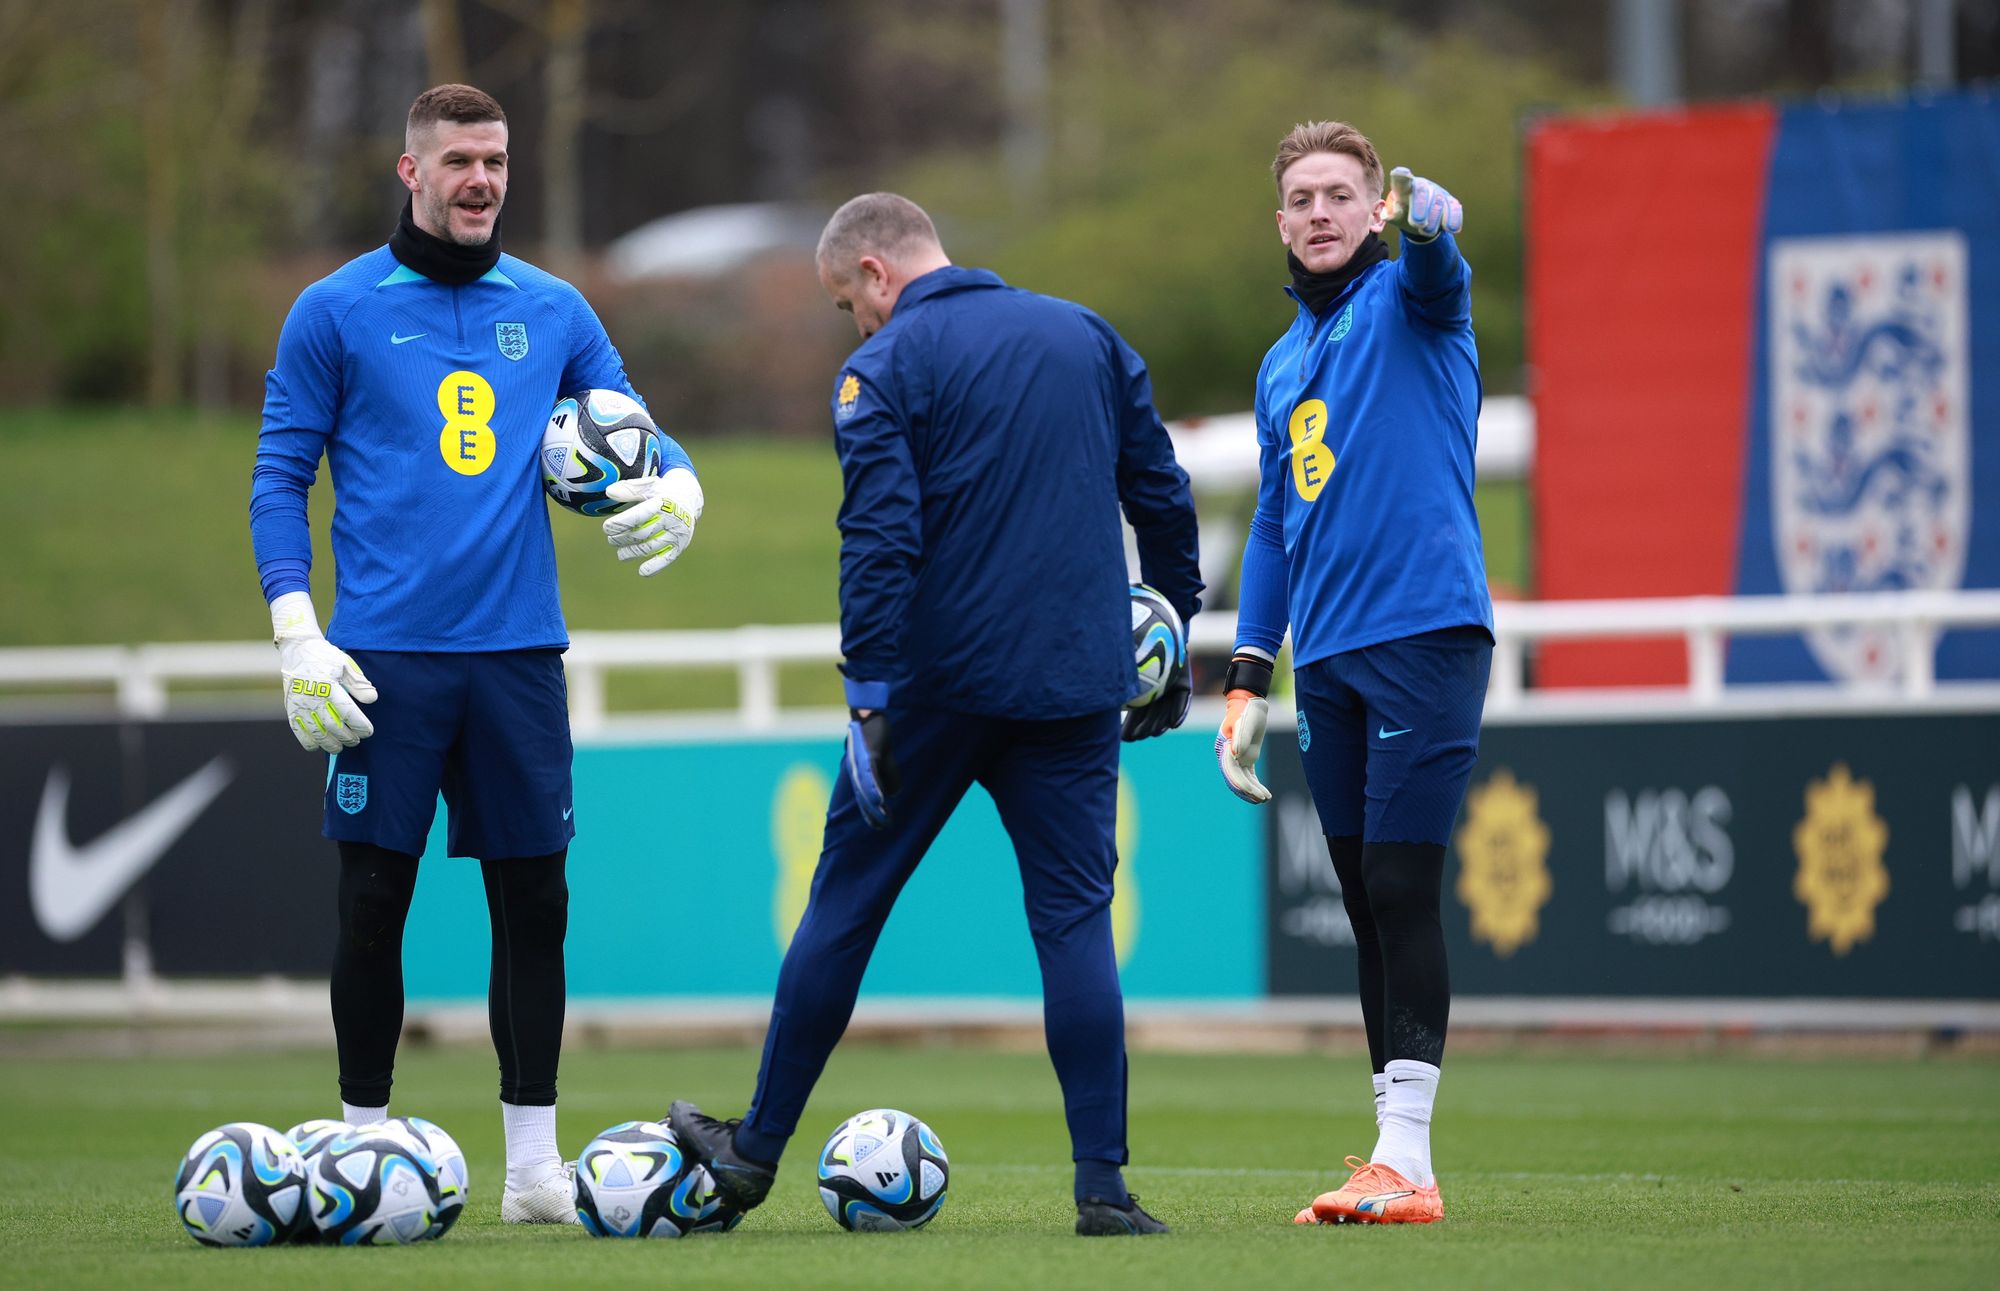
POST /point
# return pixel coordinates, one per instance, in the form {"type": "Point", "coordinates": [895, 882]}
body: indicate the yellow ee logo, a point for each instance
{"type": "Point", "coordinates": [1312, 460]}
{"type": "Point", "coordinates": [465, 401]}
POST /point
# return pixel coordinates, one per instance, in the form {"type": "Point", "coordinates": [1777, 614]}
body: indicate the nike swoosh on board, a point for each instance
{"type": "Point", "coordinates": [71, 887]}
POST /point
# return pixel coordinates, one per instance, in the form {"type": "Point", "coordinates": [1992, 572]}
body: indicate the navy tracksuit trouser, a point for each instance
{"type": "Point", "coordinates": [1056, 785]}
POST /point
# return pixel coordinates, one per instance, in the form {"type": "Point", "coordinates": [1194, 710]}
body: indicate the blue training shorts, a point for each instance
{"type": "Point", "coordinates": [489, 731]}
{"type": "Point", "coordinates": [1388, 734]}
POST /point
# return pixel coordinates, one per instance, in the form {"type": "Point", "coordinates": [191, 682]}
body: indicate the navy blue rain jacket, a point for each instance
{"type": "Point", "coordinates": [988, 437]}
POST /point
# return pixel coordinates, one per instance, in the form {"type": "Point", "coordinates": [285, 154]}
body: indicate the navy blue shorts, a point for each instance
{"type": "Point", "coordinates": [1388, 734]}
{"type": "Point", "coordinates": [488, 731]}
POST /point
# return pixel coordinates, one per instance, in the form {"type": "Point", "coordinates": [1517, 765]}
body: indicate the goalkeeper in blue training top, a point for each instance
{"type": "Point", "coordinates": [425, 371]}
{"type": "Point", "coordinates": [1365, 542]}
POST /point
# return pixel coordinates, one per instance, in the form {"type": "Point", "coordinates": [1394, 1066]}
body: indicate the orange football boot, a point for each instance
{"type": "Point", "coordinates": [1376, 1194]}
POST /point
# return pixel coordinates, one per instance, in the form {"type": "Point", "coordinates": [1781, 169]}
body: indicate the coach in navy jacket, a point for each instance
{"type": "Point", "coordinates": [988, 438]}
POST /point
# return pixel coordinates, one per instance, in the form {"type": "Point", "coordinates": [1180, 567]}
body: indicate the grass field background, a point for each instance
{"type": "Point", "coordinates": [1707, 1171]}
{"type": "Point", "coordinates": [160, 550]}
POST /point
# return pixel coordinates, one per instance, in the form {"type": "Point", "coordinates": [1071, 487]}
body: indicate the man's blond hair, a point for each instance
{"type": "Point", "coordinates": [1326, 136]}
{"type": "Point", "coordinates": [888, 225]}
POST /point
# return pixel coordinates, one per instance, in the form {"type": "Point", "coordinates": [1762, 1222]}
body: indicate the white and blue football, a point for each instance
{"type": "Point", "coordinates": [1159, 643]}
{"type": "Point", "coordinates": [241, 1184]}
{"type": "Point", "coordinates": [634, 1180]}
{"type": "Point", "coordinates": [376, 1185]}
{"type": "Point", "coordinates": [883, 1171]}
{"type": "Point", "coordinates": [594, 439]}
{"type": "Point", "coordinates": [454, 1182]}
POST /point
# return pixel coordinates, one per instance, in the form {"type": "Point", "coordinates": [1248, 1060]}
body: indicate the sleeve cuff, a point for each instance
{"type": "Point", "coordinates": [866, 694]}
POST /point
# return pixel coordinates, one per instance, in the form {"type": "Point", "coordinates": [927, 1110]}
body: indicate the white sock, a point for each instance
{"type": "Point", "coordinates": [531, 1143]}
{"type": "Point", "coordinates": [363, 1115]}
{"type": "Point", "coordinates": [1381, 1096]}
{"type": "Point", "coordinates": [1405, 1142]}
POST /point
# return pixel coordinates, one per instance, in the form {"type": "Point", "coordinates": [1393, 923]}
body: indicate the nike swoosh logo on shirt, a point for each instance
{"type": "Point", "coordinates": [71, 887]}
{"type": "Point", "coordinates": [1384, 733]}
{"type": "Point", "coordinates": [567, 811]}
{"type": "Point", "coordinates": [397, 339]}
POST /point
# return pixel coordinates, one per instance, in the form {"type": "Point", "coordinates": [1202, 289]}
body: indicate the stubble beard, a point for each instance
{"type": "Point", "coordinates": [439, 212]}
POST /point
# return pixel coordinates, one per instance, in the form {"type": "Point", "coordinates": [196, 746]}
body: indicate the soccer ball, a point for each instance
{"type": "Point", "coordinates": [594, 439]}
{"type": "Point", "coordinates": [1159, 643]}
{"type": "Point", "coordinates": [376, 1185]}
{"type": "Point", "coordinates": [633, 1180]}
{"type": "Point", "coordinates": [309, 1137]}
{"type": "Point", "coordinates": [882, 1171]}
{"type": "Point", "coordinates": [453, 1181]}
{"type": "Point", "coordinates": [241, 1184]}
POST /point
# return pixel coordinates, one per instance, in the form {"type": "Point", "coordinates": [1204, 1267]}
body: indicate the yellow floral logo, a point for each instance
{"type": "Point", "coordinates": [850, 391]}
{"type": "Point", "coordinates": [798, 821]}
{"type": "Point", "coordinates": [1125, 883]}
{"type": "Point", "coordinates": [1503, 850]}
{"type": "Point", "coordinates": [1840, 843]}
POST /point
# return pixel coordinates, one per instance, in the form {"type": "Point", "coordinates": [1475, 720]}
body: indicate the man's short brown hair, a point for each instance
{"type": "Point", "coordinates": [1326, 136]}
{"type": "Point", "coordinates": [464, 104]}
{"type": "Point", "coordinates": [880, 224]}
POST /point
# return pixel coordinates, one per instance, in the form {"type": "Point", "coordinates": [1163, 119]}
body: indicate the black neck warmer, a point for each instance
{"type": "Point", "coordinates": [1318, 290]}
{"type": "Point", "coordinates": [441, 260]}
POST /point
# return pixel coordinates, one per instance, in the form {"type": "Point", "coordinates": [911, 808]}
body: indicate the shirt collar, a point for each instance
{"type": "Point", "coordinates": [944, 281]}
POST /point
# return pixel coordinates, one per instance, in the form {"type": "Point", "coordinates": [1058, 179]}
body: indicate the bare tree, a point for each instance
{"type": "Point", "coordinates": [566, 93]}
{"type": "Point", "coordinates": [164, 56]}
{"type": "Point", "coordinates": [444, 42]}
{"type": "Point", "coordinates": [240, 80]}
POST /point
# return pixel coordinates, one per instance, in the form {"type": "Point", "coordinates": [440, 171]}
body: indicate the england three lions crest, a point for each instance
{"type": "Point", "coordinates": [513, 339]}
{"type": "Point", "coordinates": [1870, 428]}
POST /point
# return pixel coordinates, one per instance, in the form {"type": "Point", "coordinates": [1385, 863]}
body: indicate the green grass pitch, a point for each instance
{"type": "Point", "coordinates": [1558, 1171]}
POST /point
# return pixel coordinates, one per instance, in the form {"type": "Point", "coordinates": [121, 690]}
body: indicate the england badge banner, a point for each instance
{"type": "Point", "coordinates": [1792, 391]}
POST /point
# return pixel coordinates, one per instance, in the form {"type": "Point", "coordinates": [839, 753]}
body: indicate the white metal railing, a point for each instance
{"type": "Point", "coordinates": [139, 676]}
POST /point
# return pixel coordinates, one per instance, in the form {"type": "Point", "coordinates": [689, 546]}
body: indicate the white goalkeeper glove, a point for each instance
{"type": "Point", "coordinates": [1421, 209]}
{"type": "Point", "coordinates": [1241, 739]}
{"type": "Point", "coordinates": [321, 684]}
{"type": "Point", "coordinates": [660, 524]}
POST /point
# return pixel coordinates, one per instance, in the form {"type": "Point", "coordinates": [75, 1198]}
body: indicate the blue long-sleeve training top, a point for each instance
{"type": "Point", "coordinates": [1367, 416]}
{"type": "Point", "coordinates": [428, 402]}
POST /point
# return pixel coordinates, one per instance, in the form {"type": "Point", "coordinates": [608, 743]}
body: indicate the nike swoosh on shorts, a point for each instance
{"type": "Point", "coordinates": [70, 888]}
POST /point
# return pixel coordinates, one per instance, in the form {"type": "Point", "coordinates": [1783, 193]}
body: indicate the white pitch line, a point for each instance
{"type": "Point", "coordinates": [1516, 1176]}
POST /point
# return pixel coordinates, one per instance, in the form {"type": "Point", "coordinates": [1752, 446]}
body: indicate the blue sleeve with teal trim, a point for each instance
{"type": "Point", "coordinates": [881, 529]}
{"type": "Point", "coordinates": [301, 396]}
{"type": "Point", "coordinates": [1436, 281]}
{"type": "Point", "coordinates": [1262, 593]}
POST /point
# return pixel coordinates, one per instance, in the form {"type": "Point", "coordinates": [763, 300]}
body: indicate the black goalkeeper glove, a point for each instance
{"type": "Point", "coordinates": [1166, 712]}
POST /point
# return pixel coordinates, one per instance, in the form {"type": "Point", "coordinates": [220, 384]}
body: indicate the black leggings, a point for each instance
{"type": "Point", "coordinates": [1393, 892]}
{"type": "Point", "coordinates": [527, 901]}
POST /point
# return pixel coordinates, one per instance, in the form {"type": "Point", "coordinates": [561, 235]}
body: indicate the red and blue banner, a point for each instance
{"type": "Point", "coordinates": [1766, 354]}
